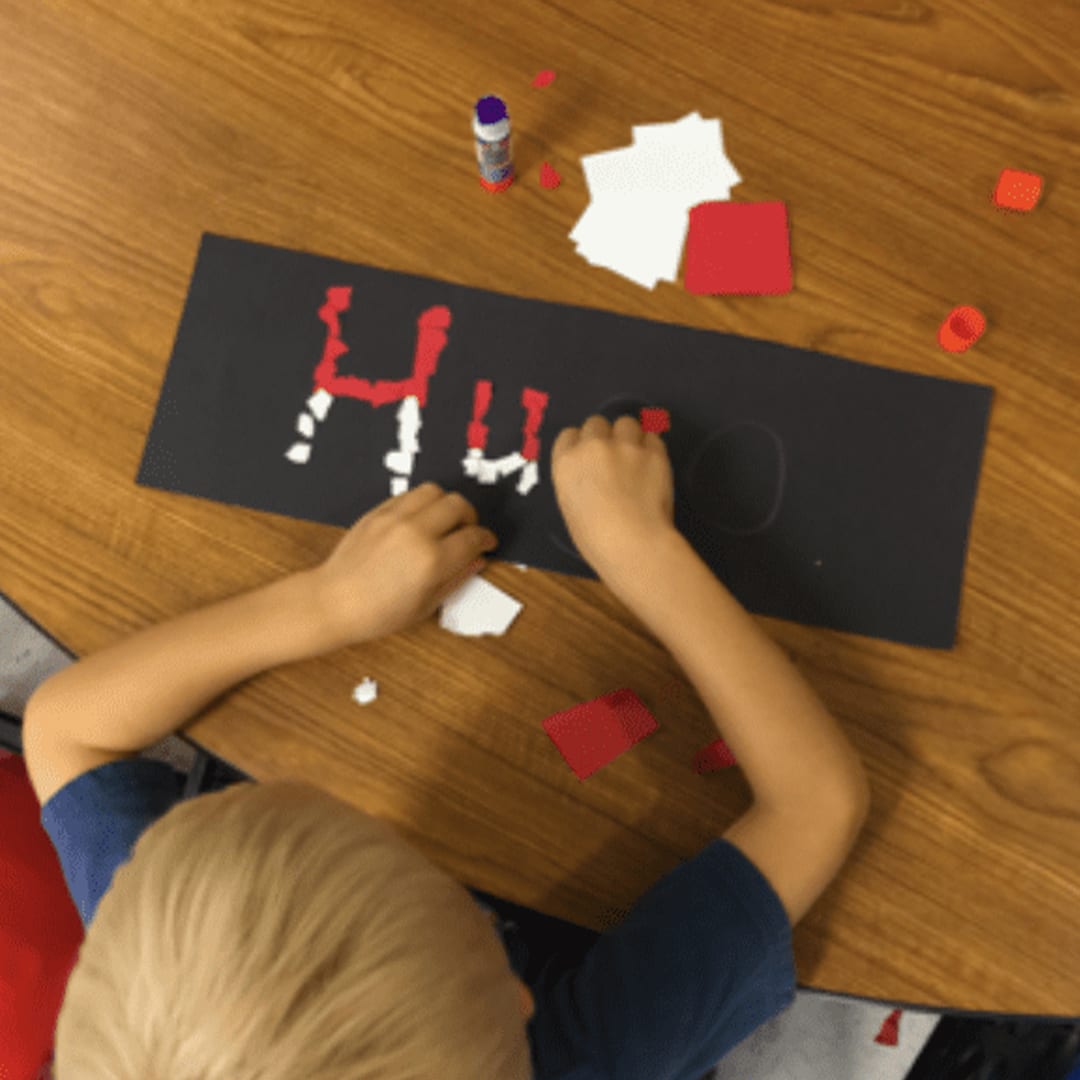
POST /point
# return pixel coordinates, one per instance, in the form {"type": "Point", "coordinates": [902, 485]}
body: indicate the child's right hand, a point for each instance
{"type": "Point", "coordinates": [614, 486]}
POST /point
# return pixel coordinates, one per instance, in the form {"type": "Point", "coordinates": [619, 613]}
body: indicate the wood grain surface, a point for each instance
{"type": "Point", "coordinates": [129, 128]}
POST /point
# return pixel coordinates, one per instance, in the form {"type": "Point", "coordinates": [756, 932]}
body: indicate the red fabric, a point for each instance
{"type": "Point", "coordinates": [40, 929]}
{"type": "Point", "coordinates": [738, 248]}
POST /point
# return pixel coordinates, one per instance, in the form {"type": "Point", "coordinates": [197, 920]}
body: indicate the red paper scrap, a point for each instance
{"type": "Point", "coordinates": [717, 755]}
{"type": "Point", "coordinates": [549, 178]}
{"type": "Point", "coordinates": [889, 1035]}
{"type": "Point", "coordinates": [1018, 190]}
{"type": "Point", "coordinates": [737, 247]}
{"type": "Point", "coordinates": [596, 732]}
{"type": "Point", "coordinates": [431, 338]}
{"type": "Point", "coordinates": [658, 420]}
{"type": "Point", "coordinates": [543, 78]}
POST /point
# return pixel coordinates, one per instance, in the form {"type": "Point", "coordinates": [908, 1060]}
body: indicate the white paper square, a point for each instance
{"type": "Point", "coordinates": [478, 607]}
{"type": "Point", "coordinates": [638, 216]}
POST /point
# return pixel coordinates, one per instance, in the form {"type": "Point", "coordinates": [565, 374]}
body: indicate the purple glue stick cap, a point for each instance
{"type": "Point", "coordinates": [491, 109]}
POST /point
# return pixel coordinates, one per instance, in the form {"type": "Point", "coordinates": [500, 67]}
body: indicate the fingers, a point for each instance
{"type": "Point", "coordinates": [414, 499]}
{"type": "Point", "coordinates": [450, 510]}
{"type": "Point", "coordinates": [627, 428]}
{"type": "Point", "coordinates": [563, 441]}
{"type": "Point", "coordinates": [445, 516]}
{"type": "Point", "coordinates": [441, 512]}
{"type": "Point", "coordinates": [458, 552]}
{"type": "Point", "coordinates": [624, 428]}
{"type": "Point", "coordinates": [595, 425]}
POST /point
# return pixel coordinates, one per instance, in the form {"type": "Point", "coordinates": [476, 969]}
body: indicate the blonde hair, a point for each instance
{"type": "Point", "coordinates": [273, 931]}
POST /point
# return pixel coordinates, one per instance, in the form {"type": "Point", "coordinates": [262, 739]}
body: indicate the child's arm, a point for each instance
{"type": "Point", "coordinates": [811, 791]}
{"type": "Point", "coordinates": [793, 753]}
{"type": "Point", "coordinates": [391, 570]}
{"type": "Point", "coordinates": [138, 691]}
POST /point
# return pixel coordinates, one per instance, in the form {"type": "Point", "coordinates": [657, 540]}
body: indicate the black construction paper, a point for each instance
{"type": "Point", "coordinates": [816, 488]}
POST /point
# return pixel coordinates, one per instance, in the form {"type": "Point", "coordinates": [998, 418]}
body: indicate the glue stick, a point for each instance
{"type": "Point", "coordinates": [491, 126]}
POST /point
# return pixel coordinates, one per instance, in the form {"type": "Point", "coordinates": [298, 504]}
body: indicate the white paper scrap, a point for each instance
{"type": "Point", "coordinates": [319, 403]}
{"type": "Point", "coordinates": [478, 607]}
{"type": "Point", "coordinates": [366, 692]}
{"type": "Point", "coordinates": [640, 197]}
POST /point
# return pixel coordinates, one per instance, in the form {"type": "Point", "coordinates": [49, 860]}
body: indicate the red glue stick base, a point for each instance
{"type": "Point", "coordinates": [502, 185]}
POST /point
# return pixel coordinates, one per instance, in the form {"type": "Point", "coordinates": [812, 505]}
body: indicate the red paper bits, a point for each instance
{"type": "Point", "coordinates": [1017, 190]}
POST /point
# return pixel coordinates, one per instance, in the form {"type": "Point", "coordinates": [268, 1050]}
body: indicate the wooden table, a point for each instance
{"type": "Point", "coordinates": [129, 128]}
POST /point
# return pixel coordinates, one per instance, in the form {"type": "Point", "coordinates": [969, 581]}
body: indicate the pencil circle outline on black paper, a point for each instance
{"type": "Point", "coordinates": [706, 512]}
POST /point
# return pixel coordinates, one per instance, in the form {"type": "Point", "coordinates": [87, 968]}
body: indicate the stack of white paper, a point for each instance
{"type": "Point", "coordinates": [640, 197]}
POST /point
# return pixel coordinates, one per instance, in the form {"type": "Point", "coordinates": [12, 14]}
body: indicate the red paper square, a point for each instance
{"type": "Point", "coordinates": [596, 732]}
{"type": "Point", "coordinates": [740, 248]}
{"type": "Point", "coordinates": [658, 420]}
{"type": "Point", "coordinates": [1017, 190]}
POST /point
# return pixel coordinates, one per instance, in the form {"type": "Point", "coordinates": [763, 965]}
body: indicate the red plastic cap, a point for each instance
{"type": "Point", "coordinates": [963, 327]}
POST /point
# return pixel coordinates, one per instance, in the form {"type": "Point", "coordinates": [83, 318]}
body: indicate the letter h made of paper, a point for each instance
{"type": "Point", "coordinates": [431, 338]}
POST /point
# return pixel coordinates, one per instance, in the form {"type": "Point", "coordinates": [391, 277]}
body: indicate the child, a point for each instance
{"type": "Point", "coordinates": [272, 931]}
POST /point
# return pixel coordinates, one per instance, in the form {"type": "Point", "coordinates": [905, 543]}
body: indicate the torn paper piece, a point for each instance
{"type": "Point", "coordinates": [738, 248]}
{"type": "Point", "coordinates": [398, 461]}
{"type": "Point", "coordinates": [717, 755]}
{"type": "Point", "coordinates": [640, 196]}
{"type": "Point", "coordinates": [299, 452]}
{"type": "Point", "coordinates": [640, 237]}
{"type": "Point", "coordinates": [594, 733]}
{"type": "Point", "coordinates": [691, 130]}
{"type": "Point", "coordinates": [668, 131]}
{"type": "Point", "coordinates": [408, 418]}
{"type": "Point", "coordinates": [319, 403]}
{"type": "Point", "coordinates": [1018, 190]}
{"type": "Point", "coordinates": [366, 692]}
{"type": "Point", "coordinates": [478, 607]}
{"type": "Point", "coordinates": [305, 425]}
{"type": "Point", "coordinates": [530, 477]}
{"type": "Point", "coordinates": [549, 176]}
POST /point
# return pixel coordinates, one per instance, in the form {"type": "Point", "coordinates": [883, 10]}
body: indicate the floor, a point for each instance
{"type": "Point", "coordinates": [820, 1037]}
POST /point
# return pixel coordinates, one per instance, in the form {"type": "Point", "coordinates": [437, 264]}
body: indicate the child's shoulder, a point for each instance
{"type": "Point", "coordinates": [53, 761]}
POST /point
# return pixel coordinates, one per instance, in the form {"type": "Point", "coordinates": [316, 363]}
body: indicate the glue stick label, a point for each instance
{"type": "Point", "coordinates": [494, 159]}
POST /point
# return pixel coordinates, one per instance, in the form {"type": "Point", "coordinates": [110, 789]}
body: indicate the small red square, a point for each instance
{"type": "Point", "coordinates": [1017, 190]}
{"type": "Point", "coordinates": [717, 755]}
{"type": "Point", "coordinates": [740, 248]}
{"type": "Point", "coordinates": [594, 733]}
{"type": "Point", "coordinates": [658, 420]}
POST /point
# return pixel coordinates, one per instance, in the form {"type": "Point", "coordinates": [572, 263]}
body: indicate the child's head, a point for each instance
{"type": "Point", "coordinates": [273, 931]}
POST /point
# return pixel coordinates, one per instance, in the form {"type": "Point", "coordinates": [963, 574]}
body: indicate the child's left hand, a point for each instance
{"type": "Point", "coordinates": [398, 563]}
